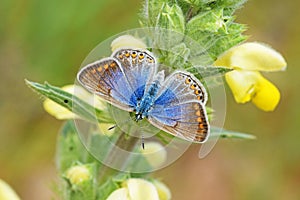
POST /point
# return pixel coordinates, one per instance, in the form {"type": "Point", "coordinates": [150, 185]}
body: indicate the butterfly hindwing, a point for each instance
{"type": "Point", "coordinates": [187, 120]}
{"type": "Point", "coordinates": [106, 79]}
{"type": "Point", "coordinates": [185, 86]}
{"type": "Point", "coordinates": [179, 107]}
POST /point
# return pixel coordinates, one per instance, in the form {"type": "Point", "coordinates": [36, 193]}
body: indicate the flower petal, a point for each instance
{"type": "Point", "coordinates": [155, 154]}
{"type": "Point", "coordinates": [249, 85]}
{"type": "Point", "coordinates": [61, 113]}
{"type": "Point", "coordinates": [242, 84]}
{"type": "Point", "coordinates": [141, 189]}
{"type": "Point", "coordinates": [164, 192]}
{"type": "Point", "coordinates": [252, 56]}
{"type": "Point", "coordinates": [267, 96]}
{"type": "Point", "coordinates": [57, 110]}
{"type": "Point", "coordinates": [127, 41]}
{"type": "Point", "coordinates": [119, 194]}
{"type": "Point", "coordinates": [6, 192]}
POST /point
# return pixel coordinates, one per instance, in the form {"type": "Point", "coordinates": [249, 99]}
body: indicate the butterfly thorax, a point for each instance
{"type": "Point", "coordinates": [147, 101]}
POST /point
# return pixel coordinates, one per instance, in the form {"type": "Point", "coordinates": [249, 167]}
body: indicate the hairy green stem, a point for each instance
{"type": "Point", "coordinates": [124, 142]}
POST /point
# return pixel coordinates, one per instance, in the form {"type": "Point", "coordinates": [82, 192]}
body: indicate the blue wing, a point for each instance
{"type": "Point", "coordinates": [179, 108]}
{"type": "Point", "coordinates": [185, 86]}
{"type": "Point", "coordinates": [139, 66]}
{"type": "Point", "coordinates": [107, 79]}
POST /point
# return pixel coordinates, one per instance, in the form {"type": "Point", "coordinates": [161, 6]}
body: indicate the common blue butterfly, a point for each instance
{"type": "Point", "coordinates": [128, 79]}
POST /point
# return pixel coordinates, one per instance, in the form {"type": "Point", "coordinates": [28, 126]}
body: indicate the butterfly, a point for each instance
{"type": "Point", "coordinates": [129, 80]}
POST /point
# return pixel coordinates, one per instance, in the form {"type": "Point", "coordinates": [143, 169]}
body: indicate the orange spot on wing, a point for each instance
{"type": "Point", "coordinates": [196, 106]}
{"type": "Point", "coordinates": [105, 66]}
{"type": "Point", "coordinates": [200, 97]}
{"type": "Point", "coordinates": [141, 56]}
{"type": "Point", "coordinates": [187, 80]}
{"type": "Point", "coordinates": [199, 119]}
{"type": "Point", "coordinates": [133, 54]}
{"type": "Point", "coordinates": [99, 69]}
{"type": "Point", "coordinates": [113, 64]}
{"type": "Point", "coordinates": [150, 60]}
{"type": "Point", "coordinates": [201, 126]}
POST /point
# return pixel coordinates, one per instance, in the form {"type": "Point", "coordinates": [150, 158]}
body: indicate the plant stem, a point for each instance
{"type": "Point", "coordinates": [124, 142]}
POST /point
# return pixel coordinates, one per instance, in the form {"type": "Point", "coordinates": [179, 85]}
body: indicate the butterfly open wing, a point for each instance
{"type": "Point", "coordinates": [106, 79]}
{"type": "Point", "coordinates": [187, 120]}
{"type": "Point", "coordinates": [120, 79]}
{"type": "Point", "coordinates": [179, 108]}
{"type": "Point", "coordinates": [139, 66]}
{"type": "Point", "coordinates": [185, 86]}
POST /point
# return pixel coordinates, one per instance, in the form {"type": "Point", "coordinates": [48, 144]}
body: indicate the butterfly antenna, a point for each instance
{"type": "Point", "coordinates": [120, 124]}
{"type": "Point", "coordinates": [143, 143]}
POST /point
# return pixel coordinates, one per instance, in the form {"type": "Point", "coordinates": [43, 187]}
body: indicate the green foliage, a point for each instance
{"type": "Point", "coordinates": [69, 148]}
{"type": "Point", "coordinates": [208, 22]}
{"type": "Point", "coordinates": [69, 101]}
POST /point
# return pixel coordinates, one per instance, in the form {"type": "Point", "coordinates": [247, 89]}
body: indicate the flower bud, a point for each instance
{"type": "Point", "coordinates": [6, 192]}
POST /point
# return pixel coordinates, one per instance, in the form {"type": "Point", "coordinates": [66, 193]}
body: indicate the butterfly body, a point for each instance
{"type": "Point", "coordinates": [148, 99]}
{"type": "Point", "coordinates": [128, 80]}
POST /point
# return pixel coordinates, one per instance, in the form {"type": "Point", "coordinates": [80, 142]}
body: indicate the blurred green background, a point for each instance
{"type": "Point", "coordinates": [47, 41]}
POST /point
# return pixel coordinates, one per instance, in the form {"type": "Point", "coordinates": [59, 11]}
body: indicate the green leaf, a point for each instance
{"type": "Point", "coordinates": [106, 189]}
{"type": "Point", "coordinates": [171, 26]}
{"type": "Point", "coordinates": [222, 133]}
{"type": "Point", "coordinates": [70, 102]}
{"type": "Point", "coordinates": [69, 148]}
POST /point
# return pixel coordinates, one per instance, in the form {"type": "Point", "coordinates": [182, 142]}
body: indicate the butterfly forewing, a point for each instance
{"type": "Point", "coordinates": [106, 79]}
{"type": "Point", "coordinates": [138, 66]}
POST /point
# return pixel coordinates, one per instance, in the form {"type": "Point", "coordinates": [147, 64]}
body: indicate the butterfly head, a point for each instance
{"type": "Point", "coordinates": [138, 116]}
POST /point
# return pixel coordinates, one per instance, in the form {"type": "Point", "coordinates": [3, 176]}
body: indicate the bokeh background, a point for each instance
{"type": "Point", "coordinates": [47, 41]}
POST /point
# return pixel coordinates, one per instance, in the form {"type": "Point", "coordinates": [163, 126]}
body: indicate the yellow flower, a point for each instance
{"type": "Point", "coordinates": [78, 174]}
{"type": "Point", "coordinates": [62, 113]}
{"type": "Point", "coordinates": [245, 81]}
{"type": "Point", "coordinates": [6, 192]}
{"type": "Point", "coordinates": [163, 191]}
{"type": "Point", "coordinates": [137, 189]}
{"type": "Point", "coordinates": [127, 41]}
